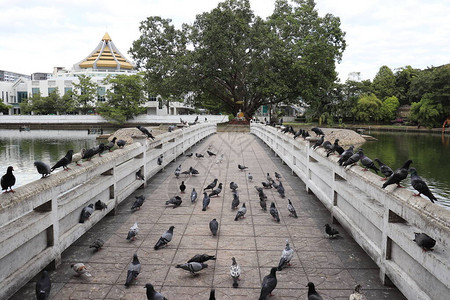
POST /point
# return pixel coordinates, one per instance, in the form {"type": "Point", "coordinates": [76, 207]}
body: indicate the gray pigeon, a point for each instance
{"type": "Point", "coordinates": [235, 202]}
{"type": "Point", "coordinates": [214, 226]}
{"type": "Point", "coordinates": [121, 143]}
{"type": "Point", "coordinates": [398, 175]}
{"type": "Point", "coordinates": [212, 185]}
{"type": "Point", "coordinates": [134, 268]}
{"type": "Point", "coordinates": [424, 241]}
{"type": "Point", "coordinates": [165, 238]}
{"type": "Point", "coordinates": [269, 178]}
{"type": "Point", "coordinates": [353, 159]}
{"type": "Point", "coordinates": [419, 185]}
{"type": "Point", "coordinates": [280, 190]}
{"type": "Point", "coordinates": [178, 171]}
{"type": "Point", "coordinates": [110, 144]}
{"type": "Point", "coordinates": [367, 163]}
{"type": "Point", "coordinates": [42, 168]}
{"type": "Point", "coordinates": [385, 170]}
{"type": "Point", "coordinates": [233, 185]}
{"type": "Point", "coordinates": [100, 205]}
{"type": "Point", "coordinates": [277, 176]}
{"type": "Point", "coordinates": [291, 209]}
{"type": "Point", "coordinates": [174, 201]}
{"type": "Point", "coordinates": [132, 233]}
{"type": "Point", "coordinates": [267, 185]}
{"type": "Point", "coordinates": [286, 257]}
{"type": "Point", "coordinates": [346, 155]}
{"type": "Point", "coordinates": [241, 212]}
{"type": "Point", "coordinates": [269, 284]}
{"type": "Point", "coordinates": [43, 287]}
{"type": "Point", "coordinates": [97, 244]}
{"type": "Point", "coordinates": [242, 167]}
{"type": "Point", "coordinates": [200, 258]}
{"type": "Point", "coordinates": [193, 195]}
{"type": "Point", "coordinates": [138, 202]}
{"type": "Point", "coordinates": [63, 162]}
{"type": "Point", "coordinates": [330, 231]}
{"type": "Point", "coordinates": [318, 143]}
{"type": "Point", "coordinates": [250, 177]}
{"type": "Point", "coordinates": [317, 131]}
{"type": "Point", "coordinates": [274, 212]}
{"type": "Point", "coordinates": [145, 131]}
{"type": "Point", "coordinates": [312, 294]}
{"type": "Point", "coordinates": [216, 191]}
{"type": "Point", "coordinates": [152, 294]}
{"type": "Point", "coordinates": [263, 203]}
{"type": "Point", "coordinates": [206, 201]}
{"type": "Point", "coordinates": [160, 160]}
{"type": "Point", "coordinates": [192, 267]}
{"type": "Point", "coordinates": [86, 213]}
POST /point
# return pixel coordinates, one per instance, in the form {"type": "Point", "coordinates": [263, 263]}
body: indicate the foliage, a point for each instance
{"type": "Point", "coordinates": [368, 108]}
{"type": "Point", "coordinates": [67, 104]}
{"type": "Point", "coordinates": [4, 108]}
{"type": "Point", "coordinates": [383, 84]}
{"type": "Point", "coordinates": [389, 108]}
{"type": "Point", "coordinates": [427, 111]}
{"type": "Point", "coordinates": [124, 98]}
{"type": "Point", "coordinates": [403, 78]}
{"type": "Point", "coordinates": [85, 93]}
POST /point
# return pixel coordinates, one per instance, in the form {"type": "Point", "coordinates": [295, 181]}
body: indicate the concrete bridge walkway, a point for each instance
{"type": "Point", "coordinates": [334, 265]}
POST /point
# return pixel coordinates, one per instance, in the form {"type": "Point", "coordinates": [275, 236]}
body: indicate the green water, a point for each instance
{"type": "Point", "coordinates": [430, 154]}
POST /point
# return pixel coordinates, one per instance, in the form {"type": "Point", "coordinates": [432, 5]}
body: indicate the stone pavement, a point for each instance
{"type": "Point", "coordinates": [334, 265]}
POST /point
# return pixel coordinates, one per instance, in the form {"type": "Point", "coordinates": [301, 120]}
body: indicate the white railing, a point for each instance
{"type": "Point", "coordinates": [41, 219]}
{"type": "Point", "coordinates": [382, 222]}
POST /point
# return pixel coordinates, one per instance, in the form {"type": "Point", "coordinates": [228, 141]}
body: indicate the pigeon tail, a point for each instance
{"type": "Point", "coordinates": [235, 282]}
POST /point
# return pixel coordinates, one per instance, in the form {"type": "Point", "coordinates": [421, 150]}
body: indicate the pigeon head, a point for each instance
{"type": "Point", "coordinates": [272, 204]}
{"type": "Point", "coordinates": [234, 260]}
{"type": "Point", "coordinates": [149, 286]}
{"type": "Point", "coordinates": [407, 163]}
{"type": "Point", "coordinates": [91, 205]}
{"type": "Point", "coordinates": [413, 171]}
{"type": "Point", "coordinates": [10, 168]}
{"type": "Point", "coordinates": [204, 265]}
{"type": "Point", "coordinates": [273, 271]}
{"type": "Point", "coordinates": [311, 287]}
{"type": "Point", "coordinates": [171, 228]}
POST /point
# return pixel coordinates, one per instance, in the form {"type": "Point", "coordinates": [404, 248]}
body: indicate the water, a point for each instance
{"type": "Point", "coordinates": [21, 149]}
{"type": "Point", "coordinates": [430, 154]}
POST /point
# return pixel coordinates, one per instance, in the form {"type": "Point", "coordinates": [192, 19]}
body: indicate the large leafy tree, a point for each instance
{"type": "Point", "coordinates": [123, 99]}
{"type": "Point", "coordinates": [85, 93]}
{"type": "Point", "coordinates": [427, 111]}
{"type": "Point", "coordinates": [368, 108]}
{"type": "Point", "coordinates": [403, 78]}
{"type": "Point", "coordinates": [232, 57]}
{"type": "Point", "coordinates": [383, 84]}
{"type": "Point", "coordinates": [389, 108]}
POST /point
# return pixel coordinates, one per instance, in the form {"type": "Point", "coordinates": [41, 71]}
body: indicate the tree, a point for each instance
{"type": "Point", "coordinates": [389, 108]}
{"type": "Point", "coordinates": [403, 77]}
{"type": "Point", "coordinates": [124, 98]}
{"type": "Point", "coordinates": [4, 108]}
{"type": "Point", "coordinates": [368, 108]}
{"type": "Point", "coordinates": [384, 83]}
{"type": "Point", "coordinates": [67, 103]}
{"type": "Point", "coordinates": [426, 112]}
{"type": "Point", "coordinates": [85, 93]}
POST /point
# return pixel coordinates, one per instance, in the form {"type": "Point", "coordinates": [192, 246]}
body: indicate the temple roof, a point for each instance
{"type": "Point", "coordinates": [105, 56]}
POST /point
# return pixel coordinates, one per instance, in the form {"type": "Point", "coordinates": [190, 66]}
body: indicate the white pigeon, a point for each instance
{"type": "Point", "coordinates": [250, 176]}
{"type": "Point", "coordinates": [133, 232]}
{"type": "Point", "coordinates": [235, 271]}
{"type": "Point", "coordinates": [219, 160]}
{"type": "Point", "coordinates": [286, 256]}
{"type": "Point", "coordinates": [357, 295]}
{"type": "Point", "coordinates": [80, 269]}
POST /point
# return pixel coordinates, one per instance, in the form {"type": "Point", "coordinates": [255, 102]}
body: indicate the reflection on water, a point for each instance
{"type": "Point", "coordinates": [22, 149]}
{"type": "Point", "coordinates": [429, 153]}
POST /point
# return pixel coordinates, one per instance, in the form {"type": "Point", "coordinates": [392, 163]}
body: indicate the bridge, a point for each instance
{"type": "Point", "coordinates": [374, 248]}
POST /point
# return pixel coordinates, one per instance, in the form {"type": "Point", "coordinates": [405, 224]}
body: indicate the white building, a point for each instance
{"type": "Point", "coordinates": [104, 60]}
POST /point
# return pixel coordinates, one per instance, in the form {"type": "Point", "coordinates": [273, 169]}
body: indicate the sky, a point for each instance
{"type": "Point", "coordinates": [36, 36]}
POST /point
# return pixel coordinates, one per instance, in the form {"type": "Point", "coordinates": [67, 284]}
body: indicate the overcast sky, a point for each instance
{"type": "Point", "coordinates": [36, 36]}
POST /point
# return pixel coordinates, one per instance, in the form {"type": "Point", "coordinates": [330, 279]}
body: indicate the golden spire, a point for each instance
{"type": "Point", "coordinates": [106, 37]}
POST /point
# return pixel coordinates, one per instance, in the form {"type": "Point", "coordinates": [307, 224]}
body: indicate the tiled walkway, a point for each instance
{"type": "Point", "coordinates": [334, 265]}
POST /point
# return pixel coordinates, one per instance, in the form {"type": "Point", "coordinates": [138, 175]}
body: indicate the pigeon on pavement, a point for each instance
{"type": "Point", "coordinates": [241, 212]}
{"type": "Point", "coordinates": [398, 175]}
{"type": "Point", "coordinates": [356, 295]}
{"type": "Point", "coordinates": [152, 294]}
{"type": "Point", "coordinates": [267, 185]}
{"type": "Point", "coordinates": [263, 203]}
{"type": "Point", "coordinates": [210, 153]}
{"type": "Point", "coordinates": [274, 212]}
{"type": "Point", "coordinates": [42, 168]}
{"type": "Point", "coordinates": [233, 185]}
{"type": "Point", "coordinates": [286, 257]}
{"type": "Point", "coordinates": [80, 269]}
{"type": "Point", "coordinates": [182, 187]}
{"type": "Point", "coordinates": [178, 171]}
{"type": "Point", "coordinates": [216, 191]}
{"type": "Point", "coordinates": [419, 185]}
{"type": "Point", "coordinates": [200, 258]}
{"type": "Point", "coordinates": [242, 167]}
{"type": "Point", "coordinates": [43, 287]}
{"type": "Point", "coordinates": [193, 171]}
{"type": "Point", "coordinates": [385, 170]}
{"type": "Point", "coordinates": [312, 294]}
{"type": "Point", "coordinates": [212, 294]}
{"type": "Point", "coordinates": [424, 241]}
{"type": "Point", "coordinates": [97, 244]}
{"type": "Point", "coordinates": [175, 201]}
{"type": "Point", "coordinates": [192, 267]}
{"type": "Point", "coordinates": [145, 131]}
{"type": "Point", "coordinates": [160, 159]}
{"type": "Point", "coordinates": [8, 180]}
{"type": "Point", "coordinates": [214, 226]}
{"type": "Point", "coordinates": [206, 201]}
{"type": "Point", "coordinates": [280, 190]}
{"type": "Point", "coordinates": [199, 155]}
{"type": "Point", "coordinates": [235, 271]}
{"type": "Point", "coordinates": [194, 195]}
{"type": "Point", "coordinates": [219, 159]}
{"type": "Point", "coordinates": [190, 154]}
{"type": "Point", "coordinates": [139, 175]}
{"type": "Point", "coordinates": [99, 205]}
{"type": "Point", "coordinates": [121, 143]}
{"type": "Point", "coordinates": [250, 177]}
{"type": "Point", "coordinates": [132, 233]}
{"type": "Point", "coordinates": [269, 284]}
{"type": "Point", "coordinates": [165, 238]}
{"type": "Point", "coordinates": [212, 185]}
{"type": "Point", "coordinates": [86, 212]}
{"type": "Point", "coordinates": [134, 268]}
{"type": "Point", "coordinates": [330, 231]}
{"type": "Point", "coordinates": [63, 162]}
{"type": "Point", "coordinates": [277, 176]}
{"type": "Point", "coordinates": [291, 209]}
{"type": "Point", "coordinates": [138, 202]}
{"type": "Point", "coordinates": [235, 202]}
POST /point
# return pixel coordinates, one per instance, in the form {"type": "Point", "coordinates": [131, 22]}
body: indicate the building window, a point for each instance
{"type": "Point", "coordinates": [160, 104]}
{"type": "Point", "coordinates": [152, 99]}
{"type": "Point", "coordinates": [21, 96]}
{"type": "Point", "coordinates": [101, 92]}
{"type": "Point", "coordinates": [35, 91]}
{"type": "Point", "coordinates": [51, 90]}
{"type": "Point", "coordinates": [67, 89]}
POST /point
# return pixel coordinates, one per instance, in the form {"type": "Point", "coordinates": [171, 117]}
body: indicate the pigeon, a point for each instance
{"type": "Point", "coordinates": [317, 131]}
{"type": "Point", "coordinates": [280, 190]}
{"type": "Point", "coordinates": [330, 231]}
{"type": "Point", "coordinates": [354, 158]}
{"type": "Point", "coordinates": [145, 131]}
{"type": "Point", "coordinates": [121, 143]}
{"type": "Point", "coordinates": [210, 153]}
{"type": "Point", "coordinates": [8, 180]}
{"type": "Point", "coordinates": [250, 177]}
{"type": "Point", "coordinates": [160, 159]}
{"type": "Point", "coordinates": [398, 175]}
{"type": "Point", "coordinates": [80, 269]}
{"type": "Point", "coordinates": [242, 168]}
{"type": "Point", "coordinates": [267, 185]}
{"type": "Point", "coordinates": [305, 134]}
{"type": "Point", "coordinates": [139, 175]}
{"type": "Point", "coordinates": [88, 154]}
{"type": "Point", "coordinates": [134, 268]}
{"type": "Point", "coordinates": [199, 155]}
{"type": "Point", "coordinates": [263, 203]}
{"type": "Point", "coordinates": [346, 155]}
{"type": "Point", "coordinates": [43, 287]}
{"type": "Point", "coordinates": [86, 212]}
{"type": "Point", "coordinates": [298, 133]}
{"type": "Point", "coordinates": [235, 202]}
{"type": "Point", "coordinates": [335, 148]}
{"type": "Point", "coordinates": [424, 241]}
{"type": "Point", "coordinates": [152, 294]}
{"type": "Point", "coordinates": [291, 209]}
{"type": "Point", "coordinates": [259, 189]}
{"type": "Point", "coordinates": [77, 157]}
{"type": "Point", "coordinates": [235, 271]}
{"type": "Point", "coordinates": [175, 201]}
{"type": "Point", "coordinates": [165, 238]}
{"type": "Point", "coordinates": [368, 163]}
{"type": "Point", "coordinates": [187, 172]}
{"type": "Point", "coordinates": [178, 171]}
{"type": "Point", "coordinates": [214, 226]}
{"type": "Point", "coordinates": [286, 256]}
{"type": "Point", "coordinates": [269, 284]}
{"type": "Point", "coordinates": [99, 149]}
{"type": "Point", "coordinates": [241, 212]}
{"type": "Point", "coordinates": [269, 178]}
{"type": "Point", "coordinates": [356, 295]}
{"type": "Point", "coordinates": [216, 191]}
{"type": "Point", "coordinates": [200, 258]}
{"type": "Point", "coordinates": [63, 162]}
{"type": "Point", "coordinates": [42, 168]}
{"type": "Point", "coordinates": [182, 187]}
{"type": "Point", "coordinates": [327, 145]}
{"type": "Point", "coordinates": [274, 184]}
{"type": "Point", "coordinates": [312, 294]}
{"type": "Point", "coordinates": [171, 128]}
{"type": "Point", "coordinates": [138, 202]}
{"type": "Point", "coordinates": [132, 233]}
{"type": "Point", "coordinates": [419, 185]}
{"type": "Point", "coordinates": [206, 201]}
{"type": "Point", "coordinates": [219, 159]}
{"type": "Point", "coordinates": [318, 143]}
{"type": "Point", "coordinates": [193, 195]}
{"type": "Point", "coordinates": [193, 171]}
{"type": "Point", "coordinates": [192, 267]}
{"type": "Point", "coordinates": [274, 212]}
{"type": "Point", "coordinates": [99, 205]}
{"type": "Point", "coordinates": [233, 186]}
{"type": "Point", "coordinates": [385, 170]}
{"type": "Point", "coordinates": [190, 154]}
{"type": "Point", "coordinates": [97, 244]}
{"type": "Point", "coordinates": [277, 176]}
{"type": "Point", "coordinates": [212, 185]}
{"type": "Point", "coordinates": [110, 144]}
